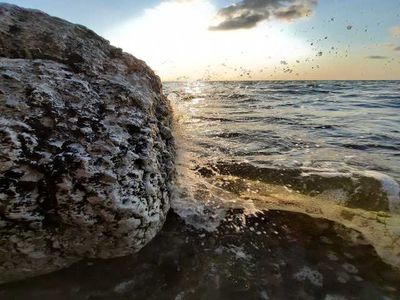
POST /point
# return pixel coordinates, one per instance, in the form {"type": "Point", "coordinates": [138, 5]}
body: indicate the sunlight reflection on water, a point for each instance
{"type": "Point", "coordinates": [314, 148]}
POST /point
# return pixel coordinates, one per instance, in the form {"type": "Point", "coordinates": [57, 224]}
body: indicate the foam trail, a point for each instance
{"type": "Point", "coordinates": [390, 187]}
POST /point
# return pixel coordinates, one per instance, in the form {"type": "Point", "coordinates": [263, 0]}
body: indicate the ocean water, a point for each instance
{"type": "Point", "coordinates": [284, 190]}
{"type": "Point", "coordinates": [324, 125]}
{"type": "Point", "coordinates": [325, 149]}
{"type": "Point", "coordinates": [336, 142]}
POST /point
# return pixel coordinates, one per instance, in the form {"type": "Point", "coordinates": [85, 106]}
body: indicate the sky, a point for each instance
{"type": "Point", "coordinates": [247, 39]}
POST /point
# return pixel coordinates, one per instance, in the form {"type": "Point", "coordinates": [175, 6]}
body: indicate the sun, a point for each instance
{"type": "Point", "coordinates": [175, 40]}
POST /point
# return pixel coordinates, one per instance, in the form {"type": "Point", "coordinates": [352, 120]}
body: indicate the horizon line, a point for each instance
{"type": "Point", "coordinates": [271, 80]}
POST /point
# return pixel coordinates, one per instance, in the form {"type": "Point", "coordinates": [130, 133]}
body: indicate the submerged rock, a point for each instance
{"type": "Point", "coordinates": [86, 153]}
{"type": "Point", "coordinates": [268, 255]}
{"type": "Point", "coordinates": [369, 190]}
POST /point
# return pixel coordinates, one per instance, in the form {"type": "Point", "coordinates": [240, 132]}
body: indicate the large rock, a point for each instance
{"type": "Point", "coordinates": [86, 153]}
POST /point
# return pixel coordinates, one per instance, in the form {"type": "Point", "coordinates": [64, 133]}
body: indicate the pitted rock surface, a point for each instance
{"type": "Point", "coordinates": [86, 153]}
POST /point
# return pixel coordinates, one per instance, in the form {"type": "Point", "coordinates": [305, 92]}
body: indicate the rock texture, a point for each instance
{"type": "Point", "coordinates": [86, 153]}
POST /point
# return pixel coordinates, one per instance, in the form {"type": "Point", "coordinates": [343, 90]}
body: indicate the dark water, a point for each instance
{"type": "Point", "coordinates": [285, 190]}
{"type": "Point", "coordinates": [276, 255]}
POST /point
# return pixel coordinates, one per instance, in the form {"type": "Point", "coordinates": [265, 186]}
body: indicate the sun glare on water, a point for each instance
{"type": "Point", "coordinates": [175, 40]}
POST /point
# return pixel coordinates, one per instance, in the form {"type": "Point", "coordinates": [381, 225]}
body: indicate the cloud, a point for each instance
{"type": "Point", "coordinates": [248, 13]}
{"type": "Point", "coordinates": [377, 57]}
{"type": "Point", "coordinates": [395, 31]}
{"type": "Point", "coordinates": [396, 48]}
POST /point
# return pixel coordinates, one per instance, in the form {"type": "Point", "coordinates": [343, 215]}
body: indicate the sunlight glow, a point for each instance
{"type": "Point", "coordinates": [173, 38]}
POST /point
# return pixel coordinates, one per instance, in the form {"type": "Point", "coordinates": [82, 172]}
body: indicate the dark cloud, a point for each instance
{"type": "Point", "coordinates": [377, 57]}
{"type": "Point", "coordinates": [248, 13]}
{"type": "Point", "coordinates": [396, 48]}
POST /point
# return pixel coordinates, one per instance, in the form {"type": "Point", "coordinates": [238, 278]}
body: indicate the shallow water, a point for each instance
{"type": "Point", "coordinates": [285, 190]}
{"type": "Point", "coordinates": [327, 149]}
{"type": "Point", "coordinates": [270, 255]}
{"type": "Point", "coordinates": [338, 141]}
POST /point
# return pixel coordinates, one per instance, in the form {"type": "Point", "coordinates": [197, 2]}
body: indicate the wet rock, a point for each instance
{"type": "Point", "coordinates": [85, 155]}
{"type": "Point", "coordinates": [286, 261]}
{"type": "Point", "coordinates": [368, 190]}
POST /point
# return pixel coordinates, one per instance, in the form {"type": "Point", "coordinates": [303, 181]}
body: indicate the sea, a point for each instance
{"type": "Point", "coordinates": [284, 190]}
{"type": "Point", "coordinates": [325, 149]}
{"type": "Point", "coordinates": [333, 142]}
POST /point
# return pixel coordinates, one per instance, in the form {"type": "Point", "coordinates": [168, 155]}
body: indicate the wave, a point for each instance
{"type": "Point", "coordinates": [340, 197]}
{"type": "Point", "coordinates": [368, 190]}
{"type": "Point", "coordinates": [273, 158]}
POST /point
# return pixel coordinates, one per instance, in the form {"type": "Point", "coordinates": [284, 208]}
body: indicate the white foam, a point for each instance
{"type": "Point", "coordinates": [239, 252]}
{"type": "Point", "coordinates": [313, 276]}
{"type": "Point", "coordinates": [389, 186]}
{"type": "Point", "coordinates": [324, 172]}
{"type": "Point", "coordinates": [194, 211]}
